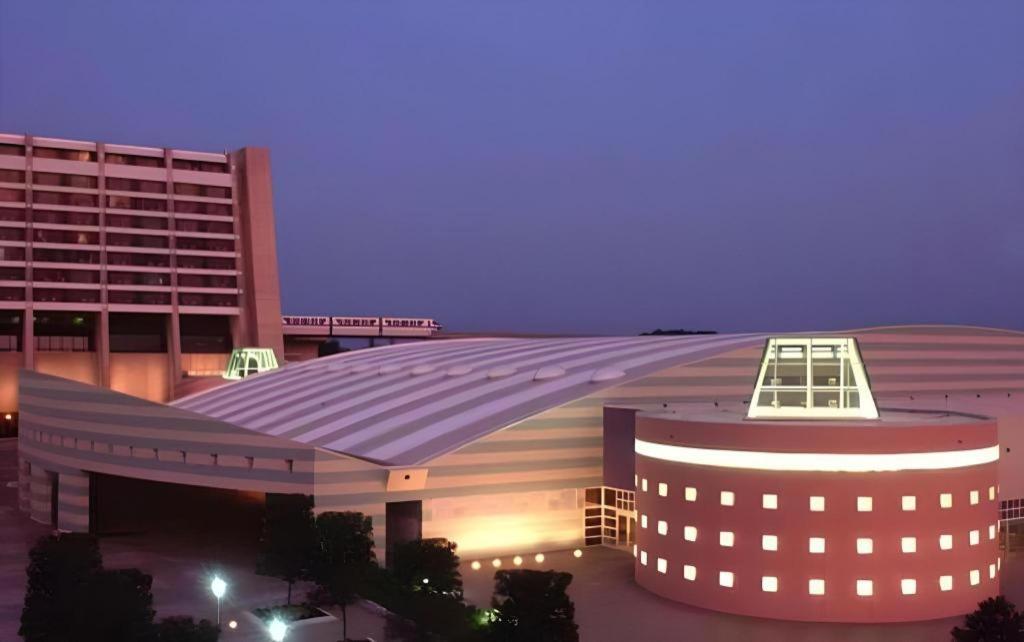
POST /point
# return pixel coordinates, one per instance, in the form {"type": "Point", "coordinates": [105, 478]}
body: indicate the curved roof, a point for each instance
{"type": "Point", "coordinates": [409, 403]}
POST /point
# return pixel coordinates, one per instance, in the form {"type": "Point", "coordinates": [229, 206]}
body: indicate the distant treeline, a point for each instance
{"type": "Point", "coordinates": [660, 333]}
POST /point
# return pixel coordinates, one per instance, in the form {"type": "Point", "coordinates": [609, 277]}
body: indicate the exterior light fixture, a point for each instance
{"type": "Point", "coordinates": [426, 580]}
{"type": "Point", "coordinates": [496, 563]}
{"type": "Point", "coordinates": [232, 624]}
{"type": "Point", "coordinates": [218, 587]}
{"type": "Point", "coordinates": [518, 561]}
{"type": "Point", "coordinates": [577, 553]}
{"type": "Point", "coordinates": [277, 629]}
{"type": "Point", "coordinates": [475, 565]}
{"type": "Point", "coordinates": [539, 558]}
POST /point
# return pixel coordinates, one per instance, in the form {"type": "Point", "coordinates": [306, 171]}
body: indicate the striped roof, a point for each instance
{"type": "Point", "coordinates": [407, 404]}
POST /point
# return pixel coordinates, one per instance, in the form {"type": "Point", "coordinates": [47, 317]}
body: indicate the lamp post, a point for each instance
{"type": "Point", "coordinates": [277, 630]}
{"type": "Point", "coordinates": [218, 587]}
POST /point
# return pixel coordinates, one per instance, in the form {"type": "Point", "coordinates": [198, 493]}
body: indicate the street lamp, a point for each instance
{"type": "Point", "coordinates": [278, 629]}
{"type": "Point", "coordinates": [218, 587]}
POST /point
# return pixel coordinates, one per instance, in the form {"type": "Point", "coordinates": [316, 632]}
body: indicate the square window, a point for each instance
{"type": "Point", "coordinates": [975, 577]}
{"type": "Point", "coordinates": [817, 503]}
{"type": "Point", "coordinates": [945, 542]}
{"type": "Point", "coordinates": [769, 542]}
{"type": "Point", "coordinates": [725, 578]}
{"type": "Point", "coordinates": [643, 557]}
{"type": "Point", "coordinates": [946, 500]}
{"type": "Point", "coordinates": [769, 501]}
{"type": "Point", "coordinates": [975, 497]}
{"type": "Point", "coordinates": [865, 546]}
{"type": "Point", "coordinates": [690, 533]}
{"type": "Point", "coordinates": [643, 521]}
{"type": "Point", "coordinates": [991, 571]}
{"type": "Point", "coordinates": [769, 584]}
{"type": "Point", "coordinates": [689, 572]}
{"type": "Point", "coordinates": [643, 484]}
{"type": "Point", "coordinates": [728, 498]}
{"type": "Point", "coordinates": [662, 527]}
{"type": "Point", "coordinates": [662, 489]}
{"type": "Point", "coordinates": [908, 587]}
{"type": "Point", "coordinates": [690, 494]}
{"type": "Point", "coordinates": [974, 537]}
{"type": "Point", "coordinates": [726, 538]}
{"type": "Point", "coordinates": [865, 588]}
{"type": "Point", "coordinates": [946, 582]}
{"type": "Point", "coordinates": [816, 587]}
{"type": "Point", "coordinates": [816, 545]}
{"type": "Point", "coordinates": [909, 502]}
{"type": "Point", "coordinates": [634, 550]}
{"type": "Point", "coordinates": [636, 481]}
{"type": "Point", "coordinates": [992, 531]}
{"type": "Point", "coordinates": [908, 544]}
{"type": "Point", "coordinates": [864, 504]}
{"type": "Point", "coordinates": [991, 492]}
{"type": "Point", "coordinates": [662, 565]}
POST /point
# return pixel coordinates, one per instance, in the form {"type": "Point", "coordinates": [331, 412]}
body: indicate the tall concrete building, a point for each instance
{"type": "Point", "coordinates": [133, 268]}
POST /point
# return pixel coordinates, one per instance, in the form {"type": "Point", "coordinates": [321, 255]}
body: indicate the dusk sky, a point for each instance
{"type": "Point", "coordinates": [592, 167]}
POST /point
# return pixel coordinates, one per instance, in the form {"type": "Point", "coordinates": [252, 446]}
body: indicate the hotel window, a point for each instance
{"type": "Point", "coordinates": [991, 492]}
{"type": "Point", "coordinates": [690, 533]}
{"type": "Point", "coordinates": [946, 582]}
{"type": "Point", "coordinates": [974, 537]}
{"type": "Point", "coordinates": [643, 557]}
{"type": "Point", "coordinates": [816, 545]}
{"type": "Point", "coordinates": [662, 489]}
{"type": "Point", "coordinates": [769, 542]}
{"type": "Point", "coordinates": [689, 572]}
{"type": "Point", "coordinates": [643, 521]}
{"type": "Point", "coordinates": [864, 504]}
{"type": "Point", "coordinates": [690, 494]}
{"type": "Point", "coordinates": [865, 588]}
{"type": "Point", "coordinates": [908, 502]}
{"type": "Point", "coordinates": [991, 571]}
{"type": "Point", "coordinates": [726, 538]}
{"type": "Point", "coordinates": [992, 531]}
{"type": "Point", "coordinates": [769, 501]}
{"type": "Point", "coordinates": [662, 527]}
{"type": "Point", "coordinates": [945, 542]}
{"type": "Point", "coordinates": [728, 498]}
{"type": "Point", "coordinates": [769, 584]}
{"type": "Point", "coordinates": [975, 497]}
{"type": "Point", "coordinates": [726, 579]}
{"type": "Point", "coordinates": [643, 484]}
{"type": "Point", "coordinates": [817, 504]}
{"type": "Point", "coordinates": [908, 544]}
{"type": "Point", "coordinates": [865, 546]}
{"type": "Point", "coordinates": [908, 587]}
{"type": "Point", "coordinates": [946, 500]}
{"type": "Point", "coordinates": [634, 550]}
{"type": "Point", "coordinates": [816, 586]}
{"type": "Point", "coordinates": [662, 565]}
{"type": "Point", "coordinates": [975, 577]}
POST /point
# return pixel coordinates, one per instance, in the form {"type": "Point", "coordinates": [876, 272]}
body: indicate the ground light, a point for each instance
{"type": "Point", "coordinates": [218, 587]}
{"type": "Point", "coordinates": [518, 561]}
{"type": "Point", "coordinates": [277, 630]}
{"type": "Point", "coordinates": [539, 558]}
{"type": "Point", "coordinates": [496, 563]}
{"type": "Point", "coordinates": [577, 553]}
{"type": "Point", "coordinates": [475, 565]}
{"type": "Point", "coordinates": [232, 624]}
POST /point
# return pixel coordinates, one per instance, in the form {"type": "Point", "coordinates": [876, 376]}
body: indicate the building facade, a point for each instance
{"type": "Point", "coordinates": [131, 267]}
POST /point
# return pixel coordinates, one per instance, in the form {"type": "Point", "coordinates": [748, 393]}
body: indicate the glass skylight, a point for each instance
{"type": "Point", "coordinates": [249, 361]}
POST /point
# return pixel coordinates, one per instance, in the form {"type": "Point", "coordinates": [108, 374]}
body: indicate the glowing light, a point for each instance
{"type": "Point", "coordinates": [726, 579]}
{"type": "Point", "coordinates": [975, 497]}
{"type": "Point", "coordinates": [662, 565]}
{"type": "Point", "coordinates": [232, 624]}
{"type": "Point", "coordinates": [662, 527]}
{"type": "Point", "coordinates": [975, 577]}
{"type": "Point", "coordinates": [662, 489]}
{"type": "Point", "coordinates": [817, 462]}
{"type": "Point", "coordinates": [496, 563]}
{"type": "Point", "coordinates": [218, 587]}
{"type": "Point", "coordinates": [816, 586]}
{"type": "Point", "coordinates": [945, 542]}
{"type": "Point", "coordinates": [946, 582]}
{"type": "Point", "coordinates": [690, 533]}
{"type": "Point", "coordinates": [244, 362]}
{"type": "Point", "coordinates": [475, 565]}
{"type": "Point", "coordinates": [974, 537]}
{"type": "Point", "coordinates": [277, 630]}
{"type": "Point", "coordinates": [728, 498]}
{"type": "Point", "coordinates": [908, 587]}
{"type": "Point", "coordinates": [769, 584]}
{"type": "Point", "coordinates": [8, 416]}
{"type": "Point", "coordinates": [816, 504]}
{"type": "Point", "coordinates": [908, 502]}
{"type": "Point", "coordinates": [908, 544]}
{"type": "Point", "coordinates": [865, 588]}
{"type": "Point", "coordinates": [690, 494]}
{"type": "Point", "coordinates": [946, 500]}
{"type": "Point", "coordinates": [770, 542]}
{"type": "Point", "coordinates": [726, 538]}
{"type": "Point", "coordinates": [539, 558]}
{"type": "Point", "coordinates": [769, 501]}
{"type": "Point", "coordinates": [816, 545]}
{"type": "Point", "coordinates": [864, 504]}
{"type": "Point", "coordinates": [865, 546]}
{"type": "Point", "coordinates": [518, 561]}
{"type": "Point", "coordinates": [426, 580]}
{"type": "Point", "coordinates": [577, 553]}
{"type": "Point", "coordinates": [689, 572]}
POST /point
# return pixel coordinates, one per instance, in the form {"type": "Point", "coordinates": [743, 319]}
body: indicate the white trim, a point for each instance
{"type": "Point", "coordinates": [821, 462]}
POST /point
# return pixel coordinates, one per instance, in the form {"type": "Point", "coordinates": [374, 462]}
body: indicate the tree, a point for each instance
{"type": "Point", "coordinates": [995, 620]}
{"type": "Point", "coordinates": [60, 568]}
{"type": "Point", "coordinates": [533, 606]}
{"type": "Point", "coordinates": [288, 540]}
{"type": "Point", "coordinates": [431, 559]}
{"type": "Point", "coordinates": [185, 629]}
{"type": "Point", "coordinates": [118, 606]}
{"type": "Point", "coordinates": [343, 559]}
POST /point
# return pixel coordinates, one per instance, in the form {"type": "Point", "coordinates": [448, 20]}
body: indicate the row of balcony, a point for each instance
{"type": "Point", "coordinates": [137, 160]}
{"type": "Point", "coordinates": [115, 297]}
{"type": "Point", "coordinates": [14, 196]}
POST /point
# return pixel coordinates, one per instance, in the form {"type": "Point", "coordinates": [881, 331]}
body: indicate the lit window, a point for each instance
{"type": "Point", "coordinates": [726, 538]}
{"type": "Point", "coordinates": [991, 492]}
{"type": "Point", "coordinates": [662, 489]}
{"type": "Point", "coordinates": [975, 577]}
{"type": "Point", "coordinates": [975, 497]}
{"type": "Point", "coordinates": [689, 572]}
{"type": "Point", "coordinates": [728, 498]}
{"type": "Point", "coordinates": [865, 588]}
{"type": "Point", "coordinates": [816, 587]}
{"type": "Point", "coordinates": [725, 578]}
{"type": "Point", "coordinates": [991, 571]}
{"type": "Point", "coordinates": [908, 544]}
{"type": "Point", "coordinates": [662, 565]}
{"type": "Point", "coordinates": [945, 542]}
{"type": "Point", "coordinates": [634, 550]}
{"type": "Point", "coordinates": [946, 500]}
{"type": "Point", "coordinates": [817, 504]}
{"type": "Point", "coordinates": [816, 544]}
{"type": "Point", "coordinates": [643, 521]}
{"type": "Point", "coordinates": [908, 587]}
{"type": "Point", "coordinates": [662, 527]}
{"type": "Point", "coordinates": [909, 502]}
{"type": "Point", "coordinates": [770, 542]}
{"type": "Point", "coordinates": [946, 582]}
{"type": "Point", "coordinates": [865, 546]}
{"type": "Point", "coordinates": [690, 533]}
{"type": "Point", "coordinates": [690, 494]}
{"type": "Point", "coordinates": [974, 537]}
{"type": "Point", "coordinates": [992, 531]}
{"type": "Point", "coordinates": [636, 481]}
{"type": "Point", "coordinates": [769, 584]}
{"type": "Point", "coordinates": [643, 484]}
{"type": "Point", "coordinates": [643, 557]}
{"type": "Point", "coordinates": [864, 504]}
{"type": "Point", "coordinates": [769, 501]}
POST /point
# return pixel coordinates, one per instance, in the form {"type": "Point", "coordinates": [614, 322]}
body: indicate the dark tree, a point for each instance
{"type": "Point", "coordinates": [343, 559]}
{"type": "Point", "coordinates": [60, 568]}
{"type": "Point", "coordinates": [329, 347]}
{"type": "Point", "coordinates": [185, 629]}
{"type": "Point", "coordinates": [433, 560]}
{"type": "Point", "coordinates": [288, 540]}
{"type": "Point", "coordinates": [118, 606]}
{"type": "Point", "coordinates": [995, 620]}
{"type": "Point", "coordinates": [533, 606]}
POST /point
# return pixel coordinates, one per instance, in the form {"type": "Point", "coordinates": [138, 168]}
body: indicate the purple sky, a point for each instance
{"type": "Point", "coordinates": [598, 167]}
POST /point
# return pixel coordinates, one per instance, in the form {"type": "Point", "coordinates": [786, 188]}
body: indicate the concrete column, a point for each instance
{"type": "Point", "coordinates": [173, 352]}
{"type": "Point", "coordinates": [24, 485]}
{"type": "Point", "coordinates": [28, 339]}
{"type": "Point", "coordinates": [40, 488]}
{"type": "Point", "coordinates": [102, 341]}
{"type": "Point", "coordinates": [73, 502]}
